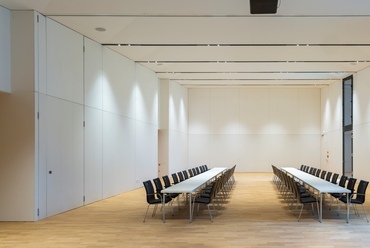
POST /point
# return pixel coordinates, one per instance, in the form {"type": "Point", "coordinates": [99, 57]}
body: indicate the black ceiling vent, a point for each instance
{"type": "Point", "coordinates": [263, 6]}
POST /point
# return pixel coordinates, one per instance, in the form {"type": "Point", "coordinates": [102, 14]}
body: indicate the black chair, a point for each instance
{"type": "Point", "coordinates": [181, 176]}
{"type": "Point", "coordinates": [206, 167]}
{"type": "Point", "coordinates": [318, 172]}
{"type": "Point", "coordinates": [190, 173]}
{"type": "Point", "coordinates": [304, 200]}
{"type": "Point", "coordinates": [197, 169]}
{"type": "Point", "coordinates": [194, 171]}
{"type": "Point", "coordinates": [328, 176]}
{"type": "Point", "coordinates": [186, 176]}
{"type": "Point", "coordinates": [159, 188]}
{"type": "Point", "coordinates": [167, 182]}
{"type": "Point", "coordinates": [342, 183]}
{"type": "Point", "coordinates": [311, 171]}
{"type": "Point", "coordinates": [206, 200]}
{"type": "Point", "coordinates": [152, 198]}
{"type": "Point", "coordinates": [335, 178]}
{"type": "Point", "coordinates": [323, 174]}
{"type": "Point", "coordinates": [314, 171]}
{"type": "Point", "coordinates": [302, 167]}
{"type": "Point", "coordinates": [175, 178]}
{"type": "Point", "coordinates": [360, 197]}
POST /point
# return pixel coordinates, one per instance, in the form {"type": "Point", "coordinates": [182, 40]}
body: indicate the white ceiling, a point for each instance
{"type": "Point", "coordinates": [218, 42]}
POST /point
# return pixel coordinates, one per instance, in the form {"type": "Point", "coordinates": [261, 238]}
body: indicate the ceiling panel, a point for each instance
{"type": "Point", "coordinates": [213, 43]}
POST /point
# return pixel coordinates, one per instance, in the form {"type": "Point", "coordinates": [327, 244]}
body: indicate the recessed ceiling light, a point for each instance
{"type": "Point", "coordinates": [100, 29]}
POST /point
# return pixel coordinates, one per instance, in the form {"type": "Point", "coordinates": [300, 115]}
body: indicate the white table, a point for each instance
{"type": "Point", "coordinates": [320, 185]}
{"type": "Point", "coordinates": [192, 185]}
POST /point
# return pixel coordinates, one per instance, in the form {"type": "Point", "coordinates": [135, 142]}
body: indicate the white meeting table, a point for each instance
{"type": "Point", "coordinates": [191, 186]}
{"type": "Point", "coordinates": [320, 185]}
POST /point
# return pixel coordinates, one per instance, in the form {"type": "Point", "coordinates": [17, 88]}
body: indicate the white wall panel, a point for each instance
{"type": "Point", "coordinates": [146, 154]}
{"type": "Point", "coordinates": [309, 117]}
{"type": "Point", "coordinates": [178, 108]}
{"type": "Point", "coordinates": [199, 115]}
{"type": "Point", "coordinates": [254, 153]}
{"type": "Point", "coordinates": [361, 99]}
{"type": "Point", "coordinates": [64, 62]}
{"type": "Point", "coordinates": [254, 111]}
{"type": "Point", "coordinates": [93, 155]}
{"type": "Point", "coordinates": [331, 128]}
{"type": "Point", "coordinates": [199, 149]}
{"type": "Point", "coordinates": [284, 111]}
{"type": "Point", "coordinates": [118, 153]}
{"type": "Point", "coordinates": [284, 150]}
{"type": "Point", "coordinates": [309, 149]}
{"type": "Point", "coordinates": [93, 66]}
{"type": "Point", "coordinates": [257, 127]}
{"type": "Point", "coordinates": [178, 151]}
{"type": "Point", "coordinates": [64, 155]}
{"type": "Point", "coordinates": [146, 95]}
{"type": "Point", "coordinates": [118, 84]}
{"type": "Point", "coordinates": [224, 150]}
{"type": "Point", "coordinates": [224, 111]}
{"type": "Point", "coordinates": [361, 136]}
{"type": "Point", "coordinates": [5, 48]}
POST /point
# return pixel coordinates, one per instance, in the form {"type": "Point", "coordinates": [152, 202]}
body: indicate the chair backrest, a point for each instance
{"type": "Point", "coordinates": [186, 176]}
{"type": "Point", "coordinates": [302, 167]}
{"type": "Point", "coordinates": [194, 171]}
{"type": "Point", "coordinates": [181, 176]}
{"type": "Point", "coordinates": [175, 178]}
{"type": "Point", "coordinates": [334, 178]}
{"type": "Point", "coordinates": [197, 169]}
{"type": "Point", "coordinates": [311, 170]}
{"type": "Point", "coordinates": [191, 172]}
{"type": "Point", "coordinates": [167, 182]}
{"type": "Point", "coordinates": [323, 174]}
{"type": "Point", "coordinates": [307, 168]}
{"type": "Point", "coordinates": [314, 171]}
{"type": "Point", "coordinates": [150, 196]}
{"type": "Point", "coordinates": [342, 181]}
{"type": "Point", "coordinates": [328, 176]}
{"type": "Point", "coordinates": [206, 167]}
{"type": "Point", "coordinates": [158, 185]}
{"type": "Point", "coordinates": [318, 172]}
{"type": "Point", "coordinates": [351, 184]}
{"type": "Point", "coordinates": [361, 191]}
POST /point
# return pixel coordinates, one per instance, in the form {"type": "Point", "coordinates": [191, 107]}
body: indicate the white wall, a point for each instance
{"type": "Point", "coordinates": [254, 127]}
{"type": "Point", "coordinates": [5, 61]}
{"type": "Point", "coordinates": [17, 126]}
{"type": "Point", "coordinates": [361, 125]}
{"type": "Point", "coordinates": [173, 134]}
{"type": "Point", "coordinates": [116, 100]}
{"type": "Point", "coordinates": [331, 128]}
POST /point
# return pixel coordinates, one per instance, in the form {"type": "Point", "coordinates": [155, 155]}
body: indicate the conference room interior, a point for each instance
{"type": "Point", "coordinates": [96, 99]}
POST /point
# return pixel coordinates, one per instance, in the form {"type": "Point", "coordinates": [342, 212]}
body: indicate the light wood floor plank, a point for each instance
{"type": "Point", "coordinates": [255, 216]}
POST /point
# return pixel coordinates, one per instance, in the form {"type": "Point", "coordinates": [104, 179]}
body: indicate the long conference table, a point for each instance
{"type": "Point", "coordinates": [191, 186]}
{"type": "Point", "coordinates": [320, 185]}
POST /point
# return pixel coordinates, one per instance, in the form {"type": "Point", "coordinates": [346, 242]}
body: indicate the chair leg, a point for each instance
{"type": "Point", "coordinates": [365, 212]}
{"type": "Point", "coordinates": [209, 211]}
{"type": "Point", "coordinates": [146, 212]}
{"type": "Point", "coordinates": [300, 213]}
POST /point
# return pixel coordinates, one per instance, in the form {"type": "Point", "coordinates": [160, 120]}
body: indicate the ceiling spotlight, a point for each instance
{"type": "Point", "coordinates": [100, 29]}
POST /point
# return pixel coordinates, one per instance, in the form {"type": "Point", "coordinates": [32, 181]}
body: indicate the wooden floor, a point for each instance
{"type": "Point", "coordinates": [255, 216]}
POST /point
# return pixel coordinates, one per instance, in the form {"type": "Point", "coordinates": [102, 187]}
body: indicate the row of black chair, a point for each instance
{"type": "Point", "coordinates": [183, 175]}
{"type": "Point", "coordinates": [345, 182]}
{"type": "Point", "coordinates": [292, 191]}
{"type": "Point", "coordinates": [154, 197]}
{"type": "Point", "coordinates": [216, 192]}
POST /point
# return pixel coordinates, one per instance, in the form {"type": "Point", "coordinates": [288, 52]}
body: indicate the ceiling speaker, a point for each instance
{"type": "Point", "coordinates": [263, 6]}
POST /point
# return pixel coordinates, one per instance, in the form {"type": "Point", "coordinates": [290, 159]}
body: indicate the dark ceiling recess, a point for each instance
{"type": "Point", "coordinates": [263, 6]}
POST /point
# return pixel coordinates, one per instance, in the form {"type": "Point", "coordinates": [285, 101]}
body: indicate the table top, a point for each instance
{"type": "Point", "coordinates": [321, 185]}
{"type": "Point", "coordinates": [192, 184]}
